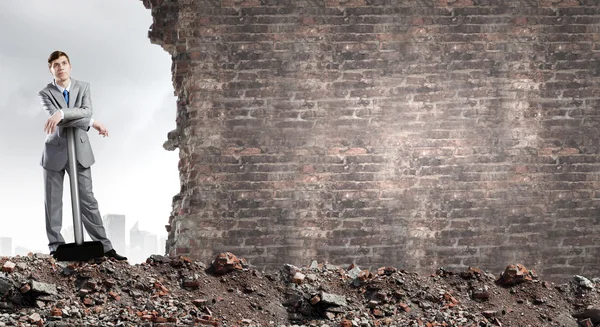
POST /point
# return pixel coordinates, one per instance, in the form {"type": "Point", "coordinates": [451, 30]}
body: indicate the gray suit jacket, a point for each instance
{"type": "Point", "coordinates": [77, 113]}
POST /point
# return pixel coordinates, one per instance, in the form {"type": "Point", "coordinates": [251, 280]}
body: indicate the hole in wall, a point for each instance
{"type": "Point", "coordinates": [132, 94]}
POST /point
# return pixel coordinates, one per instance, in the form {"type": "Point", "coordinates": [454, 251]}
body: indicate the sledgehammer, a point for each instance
{"type": "Point", "coordinates": [80, 250]}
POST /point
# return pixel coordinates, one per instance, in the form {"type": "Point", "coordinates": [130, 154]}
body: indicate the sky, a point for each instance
{"type": "Point", "coordinates": [132, 95]}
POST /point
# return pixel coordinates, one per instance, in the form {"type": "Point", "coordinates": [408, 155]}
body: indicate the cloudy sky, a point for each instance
{"type": "Point", "coordinates": [132, 94]}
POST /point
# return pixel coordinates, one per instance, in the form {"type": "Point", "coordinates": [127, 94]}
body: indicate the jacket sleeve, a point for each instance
{"type": "Point", "coordinates": [83, 123]}
{"type": "Point", "coordinates": [85, 111]}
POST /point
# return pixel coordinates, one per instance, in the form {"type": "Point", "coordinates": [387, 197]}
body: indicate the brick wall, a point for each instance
{"type": "Point", "coordinates": [417, 133]}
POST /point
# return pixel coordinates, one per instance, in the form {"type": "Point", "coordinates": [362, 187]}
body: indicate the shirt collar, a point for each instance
{"type": "Point", "coordinates": [62, 89]}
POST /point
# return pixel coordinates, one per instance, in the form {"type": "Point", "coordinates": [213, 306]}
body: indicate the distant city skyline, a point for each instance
{"type": "Point", "coordinates": [115, 231]}
{"type": "Point", "coordinates": [138, 246]}
{"type": "Point", "coordinates": [6, 246]}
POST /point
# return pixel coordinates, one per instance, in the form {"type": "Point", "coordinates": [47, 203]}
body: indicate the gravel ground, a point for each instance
{"type": "Point", "coordinates": [36, 290]}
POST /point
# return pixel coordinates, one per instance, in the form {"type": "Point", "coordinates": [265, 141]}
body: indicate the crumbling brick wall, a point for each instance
{"type": "Point", "coordinates": [416, 133]}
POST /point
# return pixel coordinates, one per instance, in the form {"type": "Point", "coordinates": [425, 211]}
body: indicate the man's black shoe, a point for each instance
{"type": "Point", "coordinates": [53, 254]}
{"type": "Point", "coordinates": [113, 254]}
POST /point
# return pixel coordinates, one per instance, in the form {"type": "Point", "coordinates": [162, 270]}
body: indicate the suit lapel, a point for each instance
{"type": "Point", "coordinates": [73, 93]}
{"type": "Point", "coordinates": [60, 99]}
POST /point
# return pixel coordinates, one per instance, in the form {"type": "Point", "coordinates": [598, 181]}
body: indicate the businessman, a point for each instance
{"type": "Point", "coordinates": [68, 104]}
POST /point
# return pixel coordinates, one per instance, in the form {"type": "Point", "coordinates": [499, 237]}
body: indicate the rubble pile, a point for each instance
{"type": "Point", "coordinates": [35, 290]}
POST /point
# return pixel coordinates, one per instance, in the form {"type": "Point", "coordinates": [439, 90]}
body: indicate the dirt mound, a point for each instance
{"type": "Point", "coordinates": [36, 290]}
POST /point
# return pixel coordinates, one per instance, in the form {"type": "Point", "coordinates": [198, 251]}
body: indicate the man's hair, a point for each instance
{"type": "Point", "coordinates": [55, 55]}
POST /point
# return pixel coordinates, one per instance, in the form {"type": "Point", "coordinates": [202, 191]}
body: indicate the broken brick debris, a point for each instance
{"type": "Point", "coordinates": [8, 266]}
{"type": "Point", "coordinates": [174, 291]}
{"type": "Point", "coordinates": [227, 262]}
{"type": "Point", "coordinates": [516, 274]}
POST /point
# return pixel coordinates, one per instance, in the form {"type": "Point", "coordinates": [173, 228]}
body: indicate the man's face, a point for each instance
{"type": "Point", "coordinates": [60, 68]}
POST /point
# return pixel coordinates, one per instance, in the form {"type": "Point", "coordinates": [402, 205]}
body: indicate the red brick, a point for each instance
{"type": "Point", "coordinates": [8, 266]}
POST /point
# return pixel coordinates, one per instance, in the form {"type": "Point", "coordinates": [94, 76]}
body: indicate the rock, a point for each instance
{"type": "Point", "coordinates": [291, 269]}
{"type": "Point", "coordinates": [298, 278]}
{"type": "Point", "coordinates": [109, 283]}
{"type": "Point", "coordinates": [311, 277]}
{"type": "Point", "coordinates": [333, 299]}
{"type": "Point", "coordinates": [592, 314]}
{"type": "Point", "coordinates": [5, 286]}
{"type": "Point", "coordinates": [404, 307]}
{"type": "Point", "coordinates": [364, 276]}
{"type": "Point", "coordinates": [114, 295]}
{"type": "Point", "coordinates": [329, 266]}
{"type": "Point", "coordinates": [440, 317]}
{"type": "Point", "coordinates": [56, 312]}
{"type": "Point", "coordinates": [565, 321]}
{"type": "Point", "coordinates": [382, 296]}
{"type": "Point", "coordinates": [586, 323]}
{"type": "Point", "coordinates": [516, 274]}
{"type": "Point", "coordinates": [15, 297]}
{"type": "Point", "coordinates": [68, 271]}
{"type": "Point", "coordinates": [199, 302]}
{"type": "Point", "coordinates": [44, 288]}
{"type": "Point", "coordinates": [6, 306]}
{"type": "Point", "coordinates": [378, 313]}
{"type": "Point", "coordinates": [449, 297]}
{"type": "Point", "coordinates": [8, 266]}
{"type": "Point", "coordinates": [481, 293]}
{"type": "Point", "coordinates": [489, 313]}
{"type": "Point", "coordinates": [225, 263]}
{"type": "Point", "coordinates": [471, 273]}
{"type": "Point", "coordinates": [583, 282]}
{"type": "Point", "coordinates": [398, 294]}
{"type": "Point", "coordinates": [35, 318]}
{"type": "Point", "coordinates": [171, 144]}
{"type": "Point", "coordinates": [315, 299]}
{"type": "Point", "coordinates": [425, 305]}
{"type": "Point", "coordinates": [25, 288]}
{"type": "Point", "coordinates": [354, 272]}
{"type": "Point", "coordinates": [191, 283]}
{"type": "Point", "coordinates": [386, 271]}
{"type": "Point", "coordinates": [158, 258]}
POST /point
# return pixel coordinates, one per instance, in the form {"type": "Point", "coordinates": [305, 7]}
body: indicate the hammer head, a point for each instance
{"type": "Point", "coordinates": [74, 252]}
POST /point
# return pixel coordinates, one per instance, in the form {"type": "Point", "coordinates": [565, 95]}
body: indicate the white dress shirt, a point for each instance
{"type": "Point", "coordinates": [68, 88]}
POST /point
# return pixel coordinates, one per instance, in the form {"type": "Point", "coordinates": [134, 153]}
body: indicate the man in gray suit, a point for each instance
{"type": "Point", "coordinates": [68, 103]}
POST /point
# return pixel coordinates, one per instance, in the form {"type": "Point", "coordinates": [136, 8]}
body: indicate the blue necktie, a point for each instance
{"type": "Point", "coordinates": [66, 95]}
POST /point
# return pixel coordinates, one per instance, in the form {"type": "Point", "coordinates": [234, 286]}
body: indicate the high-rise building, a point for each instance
{"type": "Point", "coordinates": [69, 234]}
{"type": "Point", "coordinates": [115, 231]}
{"type": "Point", "coordinates": [23, 251]}
{"type": "Point", "coordinates": [162, 243]}
{"type": "Point", "coordinates": [142, 244]}
{"type": "Point", "coordinates": [150, 243]}
{"type": "Point", "coordinates": [6, 246]}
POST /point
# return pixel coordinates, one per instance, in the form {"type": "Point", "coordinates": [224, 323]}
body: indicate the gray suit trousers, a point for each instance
{"type": "Point", "coordinates": [90, 215]}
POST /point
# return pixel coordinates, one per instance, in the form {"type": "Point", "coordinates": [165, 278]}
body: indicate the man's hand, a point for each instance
{"type": "Point", "coordinates": [100, 128]}
{"type": "Point", "coordinates": [51, 123]}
